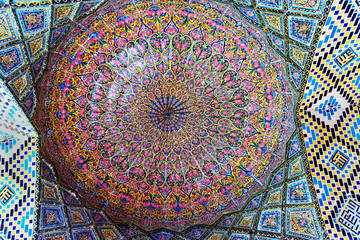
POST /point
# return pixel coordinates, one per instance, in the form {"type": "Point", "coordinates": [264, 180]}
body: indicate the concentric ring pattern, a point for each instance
{"type": "Point", "coordinates": [169, 115]}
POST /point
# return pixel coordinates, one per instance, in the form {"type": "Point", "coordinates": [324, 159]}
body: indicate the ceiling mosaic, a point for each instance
{"type": "Point", "coordinates": [182, 111]}
{"type": "Point", "coordinates": [179, 119]}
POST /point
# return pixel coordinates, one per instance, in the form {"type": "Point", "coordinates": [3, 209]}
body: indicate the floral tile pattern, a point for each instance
{"type": "Point", "coordinates": [291, 28]}
{"type": "Point", "coordinates": [8, 31]}
{"type": "Point", "coordinates": [270, 221]}
{"type": "Point", "coordinates": [33, 20]}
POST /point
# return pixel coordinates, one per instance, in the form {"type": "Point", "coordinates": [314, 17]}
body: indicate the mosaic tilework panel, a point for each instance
{"type": "Point", "coordinates": [330, 115]}
{"type": "Point", "coordinates": [62, 217]}
{"type": "Point", "coordinates": [85, 8]}
{"type": "Point", "coordinates": [18, 170]}
{"type": "Point", "coordinates": [13, 119]}
{"type": "Point", "coordinates": [18, 179]}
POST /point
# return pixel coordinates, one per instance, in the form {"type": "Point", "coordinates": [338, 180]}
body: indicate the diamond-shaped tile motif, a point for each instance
{"type": "Point", "coordinates": [239, 236]}
{"type": "Point", "coordinates": [298, 192]}
{"type": "Point", "coordinates": [296, 168]}
{"type": "Point", "coordinates": [250, 13]}
{"type": "Point", "coordinates": [59, 235]}
{"type": "Point", "coordinates": [270, 221]}
{"type": "Point", "coordinates": [98, 217]}
{"type": "Point", "coordinates": [162, 235]}
{"type": "Point", "coordinates": [302, 222]}
{"type": "Point", "coordinates": [49, 193]}
{"type": "Point", "coordinates": [227, 222]}
{"type": "Point", "coordinates": [29, 102]}
{"type": "Point", "coordinates": [246, 220]}
{"type": "Point", "coordinates": [77, 217]}
{"type": "Point", "coordinates": [196, 233]}
{"type": "Point", "coordinates": [51, 216]}
{"type": "Point", "coordinates": [278, 42]}
{"type": "Point", "coordinates": [274, 21]}
{"type": "Point", "coordinates": [247, 2]}
{"type": "Point", "coordinates": [129, 231]}
{"type": "Point", "coordinates": [273, 197]}
{"type": "Point", "coordinates": [298, 55]}
{"type": "Point", "coordinates": [37, 67]}
{"type": "Point", "coordinates": [37, 46]}
{"type": "Point", "coordinates": [47, 171]}
{"type": "Point", "coordinates": [33, 20]}
{"type": "Point", "coordinates": [329, 107]}
{"type": "Point", "coordinates": [84, 233]}
{"type": "Point", "coordinates": [21, 84]}
{"type": "Point", "coordinates": [257, 237]}
{"type": "Point", "coordinates": [11, 60]}
{"type": "Point", "coordinates": [8, 32]}
{"type": "Point", "coordinates": [295, 75]}
{"type": "Point", "coordinates": [302, 29]}
{"type": "Point", "coordinates": [109, 233]}
{"type": "Point", "coordinates": [63, 12]}
{"type": "Point", "coordinates": [69, 197]}
{"type": "Point", "coordinates": [216, 235]}
{"type": "Point", "coordinates": [294, 146]}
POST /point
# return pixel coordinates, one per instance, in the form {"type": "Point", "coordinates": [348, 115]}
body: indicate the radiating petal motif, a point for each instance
{"type": "Point", "coordinates": [168, 116]}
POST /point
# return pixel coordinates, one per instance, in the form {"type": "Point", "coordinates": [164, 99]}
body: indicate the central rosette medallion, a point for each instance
{"type": "Point", "coordinates": [165, 114]}
{"type": "Point", "coordinates": [168, 114]}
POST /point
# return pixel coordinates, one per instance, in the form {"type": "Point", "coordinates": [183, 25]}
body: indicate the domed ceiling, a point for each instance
{"type": "Point", "coordinates": [168, 114]}
{"type": "Point", "coordinates": [178, 119]}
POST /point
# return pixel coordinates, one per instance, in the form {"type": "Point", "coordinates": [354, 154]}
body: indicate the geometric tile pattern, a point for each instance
{"type": "Point", "coordinates": [296, 168]}
{"type": "Point", "coordinates": [265, 215]}
{"type": "Point", "coordinates": [295, 76]}
{"type": "Point", "coordinates": [277, 4]}
{"type": "Point", "coordinates": [33, 20]}
{"type": "Point", "coordinates": [302, 222]}
{"type": "Point", "coordinates": [298, 55]}
{"type": "Point", "coordinates": [11, 60]}
{"type": "Point", "coordinates": [278, 42]}
{"type": "Point", "coordinates": [63, 12]}
{"type": "Point", "coordinates": [84, 233]}
{"type": "Point", "coordinates": [294, 146]}
{"type": "Point", "coordinates": [8, 31]}
{"type": "Point", "coordinates": [107, 232]}
{"type": "Point", "coordinates": [254, 203]}
{"type": "Point", "coordinates": [18, 168]}
{"type": "Point", "coordinates": [323, 140]}
{"type": "Point", "coordinates": [302, 29]}
{"type": "Point", "coordinates": [77, 217]}
{"type": "Point", "coordinates": [298, 192]}
{"type": "Point", "coordinates": [246, 220]}
{"type": "Point", "coordinates": [6, 193]}
{"type": "Point", "coordinates": [270, 220]}
{"type": "Point", "coordinates": [278, 177]}
{"type": "Point", "coordinates": [36, 46]}
{"type": "Point", "coordinates": [330, 117]}
{"type": "Point", "coordinates": [350, 216]}
{"type": "Point", "coordinates": [274, 197]}
{"type": "Point", "coordinates": [21, 84]}
{"type": "Point", "coordinates": [274, 21]}
{"type": "Point", "coordinates": [250, 13]}
{"type": "Point", "coordinates": [59, 218]}
{"type": "Point", "coordinates": [51, 216]}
